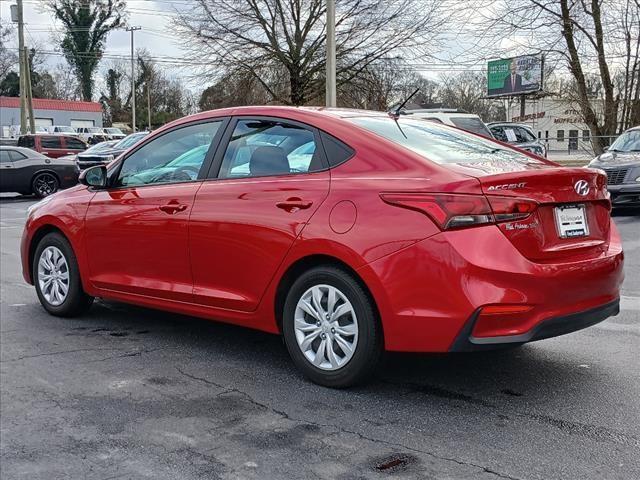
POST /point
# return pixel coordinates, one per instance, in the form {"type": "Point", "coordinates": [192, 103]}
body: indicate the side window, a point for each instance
{"type": "Point", "coordinates": [4, 156]}
{"type": "Point", "coordinates": [174, 157]}
{"type": "Point", "coordinates": [499, 134]}
{"type": "Point", "coordinates": [51, 142]}
{"type": "Point", "coordinates": [268, 147]}
{"type": "Point", "coordinates": [26, 141]}
{"type": "Point", "coordinates": [15, 156]}
{"type": "Point", "coordinates": [74, 143]}
{"type": "Point", "coordinates": [337, 151]}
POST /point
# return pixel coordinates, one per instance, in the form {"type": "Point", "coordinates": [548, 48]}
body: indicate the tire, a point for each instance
{"type": "Point", "coordinates": [353, 307]}
{"type": "Point", "coordinates": [44, 184]}
{"type": "Point", "coordinates": [48, 252]}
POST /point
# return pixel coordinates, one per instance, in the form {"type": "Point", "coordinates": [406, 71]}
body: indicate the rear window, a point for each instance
{"type": "Point", "coordinates": [471, 124]}
{"type": "Point", "coordinates": [439, 143]}
{"type": "Point", "coordinates": [50, 142]}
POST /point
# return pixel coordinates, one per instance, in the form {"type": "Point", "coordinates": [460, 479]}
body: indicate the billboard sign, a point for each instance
{"type": "Point", "coordinates": [514, 76]}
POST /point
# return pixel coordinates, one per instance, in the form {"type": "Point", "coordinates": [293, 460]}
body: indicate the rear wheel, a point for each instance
{"type": "Point", "coordinates": [57, 278]}
{"type": "Point", "coordinates": [331, 328]}
{"type": "Point", "coordinates": [44, 184]}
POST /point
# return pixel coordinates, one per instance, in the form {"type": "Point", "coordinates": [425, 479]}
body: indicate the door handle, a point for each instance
{"type": "Point", "coordinates": [172, 208]}
{"type": "Point", "coordinates": [293, 204]}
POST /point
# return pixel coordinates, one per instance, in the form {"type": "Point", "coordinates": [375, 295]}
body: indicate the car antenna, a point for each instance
{"type": "Point", "coordinates": [396, 112]}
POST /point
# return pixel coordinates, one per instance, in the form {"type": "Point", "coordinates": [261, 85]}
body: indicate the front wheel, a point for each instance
{"type": "Point", "coordinates": [331, 328]}
{"type": "Point", "coordinates": [44, 184]}
{"type": "Point", "coordinates": [57, 278]}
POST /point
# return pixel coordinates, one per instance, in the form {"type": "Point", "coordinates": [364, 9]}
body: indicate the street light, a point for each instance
{"type": "Point", "coordinates": [133, 81]}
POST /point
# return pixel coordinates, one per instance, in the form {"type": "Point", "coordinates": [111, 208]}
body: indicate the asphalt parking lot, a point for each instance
{"type": "Point", "coordinates": [130, 393]}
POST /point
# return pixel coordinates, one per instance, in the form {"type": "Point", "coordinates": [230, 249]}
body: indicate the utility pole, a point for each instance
{"type": "Point", "coordinates": [133, 81]}
{"type": "Point", "coordinates": [148, 105]}
{"type": "Point", "coordinates": [331, 54]}
{"type": "Point", "coordinates": [21, 59]}
{"type": "Point", "coordinates": [29, 94]}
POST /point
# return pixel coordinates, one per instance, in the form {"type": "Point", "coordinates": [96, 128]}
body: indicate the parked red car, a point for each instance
{"type": "Point", "coordinates": [348, 232]}
{"type": "Point", "coordinates": [53, 146]}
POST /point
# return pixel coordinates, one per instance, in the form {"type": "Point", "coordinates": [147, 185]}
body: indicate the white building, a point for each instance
{"type": "Point", "coordinates": [50, 112]}
{"type": "Point", "coordinates": [556, 121]}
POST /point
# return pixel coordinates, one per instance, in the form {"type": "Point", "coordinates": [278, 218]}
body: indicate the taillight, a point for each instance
{"type": "Point", "coordinates": [454, 210]}
{"type": "Point", "coordinates": [508, 209]}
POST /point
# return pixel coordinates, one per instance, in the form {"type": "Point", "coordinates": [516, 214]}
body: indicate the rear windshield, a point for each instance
{"type": "Point", "coordinates": [471, 124]}
{"type": "Point", "coordinates": [439, 143]}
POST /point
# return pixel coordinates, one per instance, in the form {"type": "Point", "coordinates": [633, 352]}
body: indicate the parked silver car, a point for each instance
{"type": "Point", "coordinates": [621, 163]}
{"type": "Point", "coordinates": [518, 135]}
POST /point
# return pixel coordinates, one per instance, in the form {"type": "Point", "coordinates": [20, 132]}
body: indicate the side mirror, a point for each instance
{"type": "Point", "coordinates": [605, 149]}
{"type": "Point", "coordinates": [94, 177]}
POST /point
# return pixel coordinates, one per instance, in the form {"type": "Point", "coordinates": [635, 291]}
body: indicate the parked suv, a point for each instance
{"type": "Point", "coordinates": [452, 116]}
{"type": "Point", "coordinates": [92, 135]}
{"type": "Point", "coordinates": [519, 135]}
{"type": "Point", "coordinates": [53, 146]}
{"type": "Point", "coordinates": [621, 163]}
{"type": "Point", "coordinates": [100, 156]}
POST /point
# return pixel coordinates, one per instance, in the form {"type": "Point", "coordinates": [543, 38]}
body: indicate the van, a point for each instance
{"type": "Point", "coordinates": [53, 146]}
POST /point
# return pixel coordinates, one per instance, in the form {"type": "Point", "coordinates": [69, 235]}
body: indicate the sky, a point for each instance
{"type": "Point", "coordinates": [154, 16]}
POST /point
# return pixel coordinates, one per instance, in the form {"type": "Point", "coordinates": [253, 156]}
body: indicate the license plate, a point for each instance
{"type": "Point", "coordinates": [571, 221]}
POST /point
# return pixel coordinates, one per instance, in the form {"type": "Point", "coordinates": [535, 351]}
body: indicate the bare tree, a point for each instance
{"type": "Point", "coordinates": [8, 57]}
{"type": "Point", "coordinates": [384, 83]}
{"type": "Point", "coordinates": [467, 91]}
{"type": "Point", "coordinates": [594, 39]}
{"type": "Point", "coordinates": [260, 37]}
{"type": "Point", "coordinates": [87, 24]}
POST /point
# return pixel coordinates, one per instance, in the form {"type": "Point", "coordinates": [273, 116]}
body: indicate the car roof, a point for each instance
{"type": "Point", "coordinates": [509, 124]}
{"type": "Point", "coordinates": [26, 151]}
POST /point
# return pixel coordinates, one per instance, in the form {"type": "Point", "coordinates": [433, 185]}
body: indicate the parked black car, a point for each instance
{"type": "Point", "coordinates": [93, 157]}
{"type": "Point", "coordinates": [26, 171]}
{"type": "Point", "coordinates": [621, 163]}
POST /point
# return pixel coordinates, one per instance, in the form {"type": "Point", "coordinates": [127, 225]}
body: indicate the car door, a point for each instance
{"type": "Point", "coordinates": [136, 230]}
{"type": "Point", "coordinates": [271, 178]}
{"type": "Point", "coordinates": [7, 172]}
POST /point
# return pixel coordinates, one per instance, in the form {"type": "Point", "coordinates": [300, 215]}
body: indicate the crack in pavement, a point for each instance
{"type": "Point", "coordinates": [48, 354]}
{"type": "Point", "coordinates": [285, 415]}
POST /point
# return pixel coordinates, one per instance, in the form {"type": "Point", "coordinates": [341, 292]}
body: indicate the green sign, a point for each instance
{"type": "Point", "coordinates": [514, 76]}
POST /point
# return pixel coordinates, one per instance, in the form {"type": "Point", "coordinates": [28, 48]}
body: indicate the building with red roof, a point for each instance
{"type": "Point", "coordinates": [48, 112]}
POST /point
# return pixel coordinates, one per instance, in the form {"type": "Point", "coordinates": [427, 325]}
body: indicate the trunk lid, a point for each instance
{"type": "Point", "coordinates": [572, 219]}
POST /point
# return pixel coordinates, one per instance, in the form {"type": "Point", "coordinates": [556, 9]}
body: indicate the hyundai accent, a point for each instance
{"type": "Point", "coordinates": [349, 233]}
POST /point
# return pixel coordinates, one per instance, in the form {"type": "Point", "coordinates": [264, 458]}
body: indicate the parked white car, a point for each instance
{"type": "Point", "coordinates": [451, 116]}
{"type": "Point", "coordinates": [114, 133]}
{"type": "Point", "coordinates": [92, 135]}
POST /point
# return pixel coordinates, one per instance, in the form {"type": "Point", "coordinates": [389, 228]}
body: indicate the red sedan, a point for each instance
{"type": "Point", "coordinates": [348, 232]}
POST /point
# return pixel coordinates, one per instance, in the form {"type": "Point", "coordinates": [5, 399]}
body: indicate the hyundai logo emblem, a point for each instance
{"type": "Point", "coordinates": [581, 187]}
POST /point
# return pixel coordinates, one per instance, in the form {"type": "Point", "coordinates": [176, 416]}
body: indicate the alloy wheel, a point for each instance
{"type": "Point", "coordinates": [53, 275]}
{"type": "Point", "coordinates": [45, 184]}
{"type": "Point", "coordinates": [326, 327]}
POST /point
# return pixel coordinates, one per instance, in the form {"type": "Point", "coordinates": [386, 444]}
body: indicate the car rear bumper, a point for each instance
{"type": "Point", "coordinates": [552, 327]}
{"type": "Point", "coordinates": [428, 293]}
